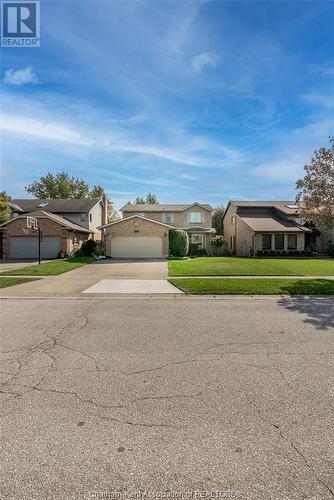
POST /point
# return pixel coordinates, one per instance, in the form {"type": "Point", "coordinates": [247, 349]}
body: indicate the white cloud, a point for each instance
{"type": "Point", "coordinates": [321, 99]}
{"type": "Point", "coordinates": [42, 129]}
{"type": "Point", "coordinates": [149, 182]}
{"type": "Point", "coordinates": [20, 76]}
{"type": "Point", "coordinates": [204, 59]}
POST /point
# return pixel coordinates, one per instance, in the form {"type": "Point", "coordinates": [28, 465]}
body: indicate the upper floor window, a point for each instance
{"type": "Point", "coordinates": [167, 217]}
{"type": "Point", "coordinates": [195, 217]}
{"type": "Point", "coordinates": [233, 219]}
{"type": "Point", "coordinates": [90, 217]}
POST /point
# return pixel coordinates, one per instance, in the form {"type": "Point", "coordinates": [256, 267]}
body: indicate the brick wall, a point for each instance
{"type": "Point", "coordinates": [18, 227]}
{"type": "Point", "coordinates": [138, 228]}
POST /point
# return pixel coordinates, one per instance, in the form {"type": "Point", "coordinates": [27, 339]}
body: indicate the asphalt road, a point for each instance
{"type": "Point", "coordinates": [102, 396]}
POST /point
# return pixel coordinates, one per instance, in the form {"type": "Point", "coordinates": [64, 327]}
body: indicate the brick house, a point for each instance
{"type": "Point", "coordinates": [144, 229]}
{"type": "Point", "coordinates": [260, 227]}
{"type": "Point", "coordinates": [65, 224]}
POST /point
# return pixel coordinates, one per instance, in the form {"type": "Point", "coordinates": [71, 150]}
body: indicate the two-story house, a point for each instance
{"type": "Point", "coordinates": [264, 227]}
{"type": "Point", "coordinates": [144, 229]}
{"type": "Point", "coordinates": [64, 223]}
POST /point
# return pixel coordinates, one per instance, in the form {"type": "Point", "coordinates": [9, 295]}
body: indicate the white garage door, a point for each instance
{"type": "Point", "coordinates": [132, 247]}
{"type": "Point", "coordinates": [26, 247]}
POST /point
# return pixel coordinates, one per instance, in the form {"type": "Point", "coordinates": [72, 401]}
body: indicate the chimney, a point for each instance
{"type": "Point", "coordinates": [104, 209]}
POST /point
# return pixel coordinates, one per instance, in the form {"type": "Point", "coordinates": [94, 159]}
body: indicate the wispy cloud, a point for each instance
{"type": "Point", "coordinates": [204, 59]}
{"type": "Point", "coordinates": [137, 180]}
{"type": "Point", "coordinates": [326, 100]}
{"type": "Point", "coordinates": [20, 77]}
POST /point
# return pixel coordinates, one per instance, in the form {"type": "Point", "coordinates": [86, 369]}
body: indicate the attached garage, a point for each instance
{"type": "Point", "coordinates": [141, 247]}
{"type": "Point", "coordinates": [26, 247]}
{"type": "Point", "coordinates": [136, 237]}
{"type": "Point", "coordinates": [58, 235]}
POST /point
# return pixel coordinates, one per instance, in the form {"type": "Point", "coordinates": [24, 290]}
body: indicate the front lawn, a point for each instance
{"type": "Point", "coordinates": [51, 268]}
{"type": "Point", "coordinates": [231, 286]}
{"type": "Point", "coordinates": [243, 266]}
{"type": "Point", "coordinates": [4, 282]}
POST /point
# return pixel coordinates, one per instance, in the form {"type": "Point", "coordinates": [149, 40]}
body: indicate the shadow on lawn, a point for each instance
{"type": "Point", "coordinates": [319, 311]}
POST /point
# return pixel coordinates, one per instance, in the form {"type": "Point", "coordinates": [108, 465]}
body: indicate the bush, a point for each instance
{"type": "Point", "coordinates": [217, 241]}
{"type": "Point", "coordinates": [88, 248]}
{"type": "Point", "coordinates": [330, 249]}
{"type": "Point", "coordinates": [178, 243]}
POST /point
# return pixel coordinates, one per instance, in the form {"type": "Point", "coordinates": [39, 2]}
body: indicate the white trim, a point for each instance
{"type": "Point", "coordinates": [137, 217]}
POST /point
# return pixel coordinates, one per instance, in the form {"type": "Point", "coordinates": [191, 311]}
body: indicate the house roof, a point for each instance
{"type": "Point", "coordinates": [287, 207]}
{"type": "Point", "coordinates": [42, 214]}
{"type": "Point", "coordinates": [158, 207]}
{"type": "Point", "coordinates": [136, 217]}
{"type": "Point", "coordinates": [275, 224]}
{"type": "Point", "coordinates": [67, 205]}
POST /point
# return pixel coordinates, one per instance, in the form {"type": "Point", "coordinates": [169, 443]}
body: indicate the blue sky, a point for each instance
{"type": "Point", "coordinates": [195, 101]}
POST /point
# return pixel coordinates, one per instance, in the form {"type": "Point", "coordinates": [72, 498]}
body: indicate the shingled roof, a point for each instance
{"type": "Point", "coordinates": [67, 205]}
{"type": "Point", "coordinates": [159, 207]}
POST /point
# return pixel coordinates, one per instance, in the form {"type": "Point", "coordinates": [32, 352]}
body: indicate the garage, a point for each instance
{"type": "Point", "coordinates": [26, 247]}
{"type": "Point", "coordinates": [136, 237]}
{"type": "Point", "coordinates": [136, 247]}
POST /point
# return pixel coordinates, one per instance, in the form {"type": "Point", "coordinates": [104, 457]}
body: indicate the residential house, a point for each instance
{"type": "Point", "coordinates": [144, 229]}
{"type": "Point", "coordinates": [263, 227]}
{"type": "Point", "coordinates": [65, 224]}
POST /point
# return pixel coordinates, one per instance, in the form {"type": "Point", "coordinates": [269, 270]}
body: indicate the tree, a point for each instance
{"type": "Point", "coordinates": [96, 192]}
{"type": "Point", "coordinates": [59, 185]}
{"type": "Point", "coordinates": [4, 207]}
{"type": "Point", "coordinates": [151, 199]}
{"type": "Point", "coordinates": [139, 201]}
{"type": "Point", "coordinates": [316, 189]}
{"type": "Point", "coordinates": [217, 219]}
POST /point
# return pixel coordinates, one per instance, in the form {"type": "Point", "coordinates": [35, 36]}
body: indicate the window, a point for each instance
{"type": "Point", "coordinates": [197, 239]}
{"type": "Point", "coordinates": [266, 242]}
{"type": "Point", "coordinates": [167, 217]}
{"type": "Point", "coordinates": [233, 219]}
{"type": "Point", "coordinates": [195, 217]}
{"type": "Point", "coordinates": [292, 242]}
{"type": "Point", "coordinates": [279, 241]}
{"type": "Point", "coordinates": [90, 217]}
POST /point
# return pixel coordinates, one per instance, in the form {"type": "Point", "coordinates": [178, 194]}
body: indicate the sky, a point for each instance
{"type": "Point", "coordinates": [201, 101]}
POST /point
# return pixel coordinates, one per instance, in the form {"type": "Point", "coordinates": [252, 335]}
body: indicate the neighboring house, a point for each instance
{"type": "Point", "coordinates": [144, 229]}
{"type": "Point", "coordinates": [260, 227]}
{"type": "Point", "coordinates": [65, 224]}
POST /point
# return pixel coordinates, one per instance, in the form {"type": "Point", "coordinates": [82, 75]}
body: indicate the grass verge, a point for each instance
{"type": "Point", "coordinates": [51, 268]}
{"type": "Point", "coordinates": [243, 266]}
{"type": "Point", "coordinates": [4, 282]}
{"type": "Point", "coordinates": [264, 286]}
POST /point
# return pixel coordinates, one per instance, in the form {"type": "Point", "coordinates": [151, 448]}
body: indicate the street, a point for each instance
{"type": "Point", "coordinates": [107, 395]}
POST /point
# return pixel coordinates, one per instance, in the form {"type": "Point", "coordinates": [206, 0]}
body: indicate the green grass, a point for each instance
{"type": "Point", "coordinates": [243, 266]}
{"type": "Point", "coordinates": [51, 268]}
{"type": "Point", "coordinates": [231, 286]}
{"type": "Point", "coordinates": [4, 282]}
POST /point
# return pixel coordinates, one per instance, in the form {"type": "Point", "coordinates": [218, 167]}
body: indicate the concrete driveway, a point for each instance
{"type": "Point", "coordinates": [102, 398]}
{"type": "Point", "coordinates": [77, 281]}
